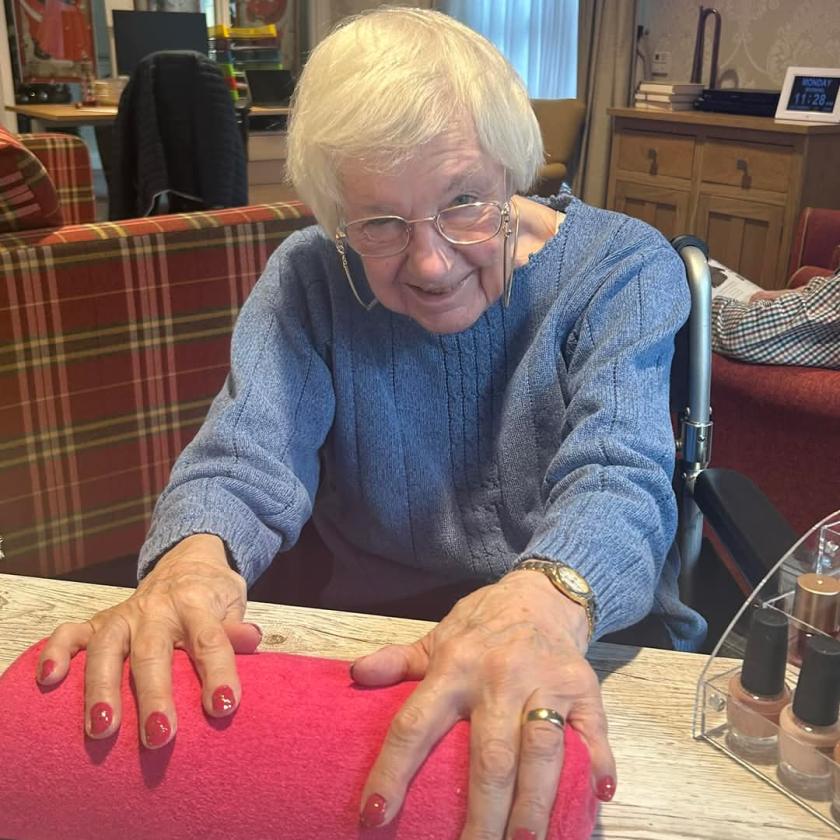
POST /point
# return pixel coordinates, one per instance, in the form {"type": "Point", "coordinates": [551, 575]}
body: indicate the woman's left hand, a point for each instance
{"type": "Point", "coordinates": [503, 650]}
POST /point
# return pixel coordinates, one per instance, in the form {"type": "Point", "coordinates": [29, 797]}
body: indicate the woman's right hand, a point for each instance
{"type": "Point", "coordinates": [193, 600]}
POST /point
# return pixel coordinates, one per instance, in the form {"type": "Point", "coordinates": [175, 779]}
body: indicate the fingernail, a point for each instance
{"type": "Point", "coordinates": [373, 813]}
{"type": "Point", "coordinates": [256, 627]}
{"type": "Point", "coordinates": [47, 667]}
{"type": "Point", "coordinates": [605, 789]}
{"type": "Point", "coordinates": [352, 675]}
{"type": "Point", "coordinates": [223, 700]}
{"type": "Point", "coordinates": [101, 715]}
{"type": "Point", "coordinates": [524, 834]}
{"type": "Point", "coordinates": [157, 729]}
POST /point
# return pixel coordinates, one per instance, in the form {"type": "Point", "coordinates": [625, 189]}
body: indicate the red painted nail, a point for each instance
{"type": "Point", "coordinates": [525, 834]}
{"type": "Point", "coordinates": [47, 667]}
{"type": "Point", "coordinates": [157, 729]}
{"type": "Point", "coordinates": [223, 700]}
{"type": "Point", "coordinates": [373, 814]}
{"type": "Point", "coordinates": [101, 715]}
{"type": "Point", "coordinates": [605, 789]}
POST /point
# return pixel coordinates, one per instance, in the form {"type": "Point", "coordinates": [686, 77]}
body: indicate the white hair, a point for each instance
{"type": "Point", "coordinates": [385, 82]}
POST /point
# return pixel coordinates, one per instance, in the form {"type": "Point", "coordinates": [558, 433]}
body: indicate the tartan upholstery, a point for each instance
{"type": "Point", "coordinates": [67, 161]}
{"type": "Point", "coordinates": [114, 338]}
{"type": "Point", "coordinates": [28, 199]}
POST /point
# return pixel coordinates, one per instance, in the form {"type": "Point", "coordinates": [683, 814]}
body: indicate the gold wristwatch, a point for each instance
{"type": "Point", "coordinates": [566, 580]}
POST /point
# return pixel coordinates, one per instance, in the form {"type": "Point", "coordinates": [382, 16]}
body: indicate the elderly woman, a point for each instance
{"type": "Point", "coordinates": [457, 385]}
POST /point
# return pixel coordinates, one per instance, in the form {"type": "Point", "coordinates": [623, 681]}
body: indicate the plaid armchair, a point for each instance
{"type": "Point", "coordinates": [67, 162]}
{"type": "Point", "coordinates": [114, 338]}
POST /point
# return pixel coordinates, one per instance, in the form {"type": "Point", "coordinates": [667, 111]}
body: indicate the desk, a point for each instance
{"type": "Point", "coordinates": [669, 786]}
{"type": "Point", "coordinates": [267, 155]}
{"type": "Point", "coordinates": [69, 114]}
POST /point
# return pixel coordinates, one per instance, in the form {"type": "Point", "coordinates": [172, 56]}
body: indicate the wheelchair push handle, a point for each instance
{"type": "Point", "coordinates": [685, 240]}
{"type": "Point", "coordinates": [697, 419]}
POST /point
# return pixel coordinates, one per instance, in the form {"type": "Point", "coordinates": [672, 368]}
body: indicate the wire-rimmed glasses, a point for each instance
{"type": "Point", "coordinates": [462, 224]}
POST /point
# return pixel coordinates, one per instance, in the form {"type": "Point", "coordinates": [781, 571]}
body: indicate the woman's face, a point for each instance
{"type": "Point", "coordinates": [444, 287]}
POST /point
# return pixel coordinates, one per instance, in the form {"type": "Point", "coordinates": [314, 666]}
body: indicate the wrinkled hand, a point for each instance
{"type": "Point", "coordinates": [503, 650]}
{"type": "Point", "coordinates": [192, 600]}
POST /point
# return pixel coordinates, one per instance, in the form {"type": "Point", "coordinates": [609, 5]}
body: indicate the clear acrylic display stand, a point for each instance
{"type": "Point", "coordinates": [818, 551]}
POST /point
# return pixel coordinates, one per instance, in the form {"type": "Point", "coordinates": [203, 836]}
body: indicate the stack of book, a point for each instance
{"type": "Point", "coordinates": [667, 96]}
{"type": "Point", "coordinates": [237, 49]}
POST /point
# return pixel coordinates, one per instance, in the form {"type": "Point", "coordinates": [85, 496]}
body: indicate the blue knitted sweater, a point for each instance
{"type": "Point", "coordinates": [426, 459]}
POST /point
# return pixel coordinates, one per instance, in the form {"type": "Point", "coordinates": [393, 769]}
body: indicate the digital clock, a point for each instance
{"type": "Point", "coordinates": [810, 93]}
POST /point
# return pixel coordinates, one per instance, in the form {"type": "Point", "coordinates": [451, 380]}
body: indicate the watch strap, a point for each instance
{"type": "Point", "coordinates": [550, 569]}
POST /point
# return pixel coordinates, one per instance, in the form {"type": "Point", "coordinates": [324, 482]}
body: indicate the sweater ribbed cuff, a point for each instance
{"type": "Point", "coordinates": [186, 512]}
{"type": "Point", "coordinates": [623, 591]}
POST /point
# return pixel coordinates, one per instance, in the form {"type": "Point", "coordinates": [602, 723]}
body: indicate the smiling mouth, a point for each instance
{"type": "Point", "coordinates": [433, 292]}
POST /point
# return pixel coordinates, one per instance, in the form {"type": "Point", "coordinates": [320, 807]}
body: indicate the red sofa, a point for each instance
{"type": "Point", "coordinates": [778, 425]}
{"type": "Point", "coordinates": [114, 338]}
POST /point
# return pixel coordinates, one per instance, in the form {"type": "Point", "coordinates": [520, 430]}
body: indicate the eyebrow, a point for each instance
{"type": "Point", "coordinates": [475, 176]}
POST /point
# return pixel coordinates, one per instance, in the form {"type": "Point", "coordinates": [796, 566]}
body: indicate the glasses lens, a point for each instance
{"type": "Point", "coordinates": [378, 237]}
{"type": "Point", "coordinates": [469, 224]}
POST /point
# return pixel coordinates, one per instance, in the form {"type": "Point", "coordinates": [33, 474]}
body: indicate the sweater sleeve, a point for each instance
{"type": "Point", "coordinates": [610, 511]}
{"type": "Point", "coordinates": [251, 473]}
{"type": "Point", "coordinates": [800, 327]}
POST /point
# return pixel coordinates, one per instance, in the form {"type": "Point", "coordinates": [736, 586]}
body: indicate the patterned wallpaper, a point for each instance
{"type": "Point", "coordinates": [759, 38]}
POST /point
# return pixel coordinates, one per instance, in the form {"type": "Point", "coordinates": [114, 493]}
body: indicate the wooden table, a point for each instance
{"type": "Point", "coordinates": [69, 114]}
{"type": "Point", "coordinates": [669, 786]}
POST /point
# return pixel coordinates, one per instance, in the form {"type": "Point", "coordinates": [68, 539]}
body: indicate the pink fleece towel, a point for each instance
{"type": "Point", "coordinates": [291, 763]}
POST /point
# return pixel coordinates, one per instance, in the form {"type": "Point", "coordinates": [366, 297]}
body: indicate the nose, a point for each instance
{"type": "Point", "coordinates": [430, 256]}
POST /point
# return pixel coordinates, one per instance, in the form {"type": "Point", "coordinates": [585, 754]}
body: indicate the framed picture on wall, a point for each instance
{"type": "Point", "coordinates": [54, 39]}
{"type": "Point", "coordinates": [259, 12]}
{"type": "Point", "coordinates": [282, 13]}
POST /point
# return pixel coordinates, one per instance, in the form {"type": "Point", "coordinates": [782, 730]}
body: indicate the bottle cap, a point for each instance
{"type": "Point", "coordinates": [765, 659]}
{"type": "Point", "coordinates": [817, 695]}
{"type": "Point", "coordinates": [817, 600]}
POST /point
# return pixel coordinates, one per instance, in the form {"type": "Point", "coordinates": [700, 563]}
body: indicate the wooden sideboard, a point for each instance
{"type": "Point", "coordinates": [737, 182]}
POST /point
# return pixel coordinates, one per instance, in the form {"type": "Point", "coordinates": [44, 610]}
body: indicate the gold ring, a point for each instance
{"type": "Point", "coordinates": [549, 715]}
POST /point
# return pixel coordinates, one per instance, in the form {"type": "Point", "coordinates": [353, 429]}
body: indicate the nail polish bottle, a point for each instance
{"type": "Point", "coordinates": [816, 602]}
{"type": "Point", "coordinates": [808, 727]}
{"type": "Point", "coordinates": [758, 694]}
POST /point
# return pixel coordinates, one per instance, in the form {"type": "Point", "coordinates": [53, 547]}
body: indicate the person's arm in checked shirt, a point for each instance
{"type": "Point", "coordinates": [787, 327]}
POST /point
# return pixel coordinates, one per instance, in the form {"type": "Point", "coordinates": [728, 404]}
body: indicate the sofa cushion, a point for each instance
{"type": "Point", "coordinates": [28, 198]}
{"type": "Point", "coordinates": [777, 424]}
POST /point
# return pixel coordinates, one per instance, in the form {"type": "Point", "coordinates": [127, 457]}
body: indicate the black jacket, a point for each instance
{"type": "Point", "coordinates": [177, 145]}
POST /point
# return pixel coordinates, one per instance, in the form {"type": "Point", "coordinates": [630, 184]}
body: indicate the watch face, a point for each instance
{"type": "Point", "coordinates": [574, 581]}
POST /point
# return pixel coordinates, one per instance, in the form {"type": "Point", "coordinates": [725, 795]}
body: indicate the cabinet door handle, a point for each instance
{"type": "Point", "coordinates": [743, 167]}
{"type": "Point", "coordinates": [651, 153]}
